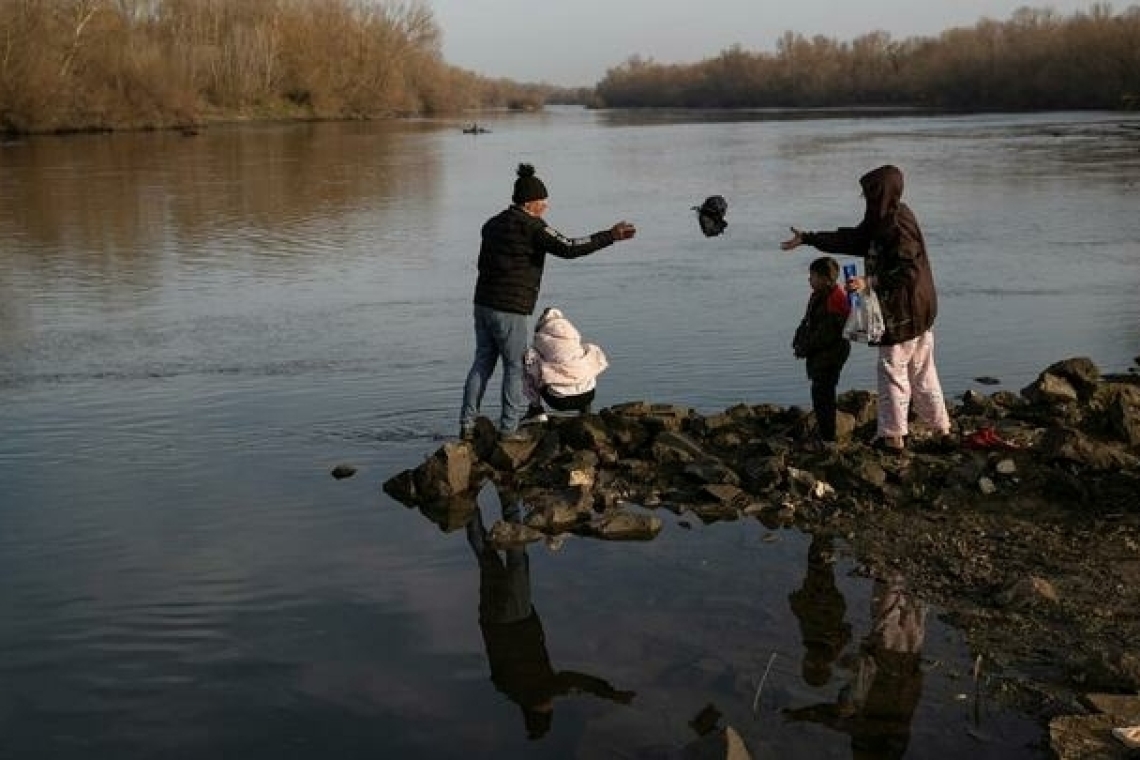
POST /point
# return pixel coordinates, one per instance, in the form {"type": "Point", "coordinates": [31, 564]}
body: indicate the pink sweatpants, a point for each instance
{"type": "Point", "coordinates": [907, 374]}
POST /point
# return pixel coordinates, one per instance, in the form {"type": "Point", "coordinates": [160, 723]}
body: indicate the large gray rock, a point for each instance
{"type": "Point", "coordinates": [1122, 412]}
{"type": "Point", "coordinates": [1069, 445]}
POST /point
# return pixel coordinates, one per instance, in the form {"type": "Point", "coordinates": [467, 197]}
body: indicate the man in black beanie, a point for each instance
{"type": "Point", "coordinates": [511, 259]}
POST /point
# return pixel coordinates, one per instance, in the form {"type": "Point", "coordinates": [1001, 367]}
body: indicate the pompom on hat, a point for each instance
{"type": "Point", "coordinates": [528, 187]}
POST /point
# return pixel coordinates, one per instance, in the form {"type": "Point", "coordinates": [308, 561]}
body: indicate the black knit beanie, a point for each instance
{"type": "Point", "coordinates": [528, 187]}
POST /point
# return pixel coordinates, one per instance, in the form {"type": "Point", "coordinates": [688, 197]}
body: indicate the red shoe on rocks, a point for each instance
{"type": "Point", "coordinates": [986, 438]}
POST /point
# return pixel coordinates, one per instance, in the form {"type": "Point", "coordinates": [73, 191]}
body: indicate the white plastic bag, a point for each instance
{"type": "Point", "coordinates": [865, 322]}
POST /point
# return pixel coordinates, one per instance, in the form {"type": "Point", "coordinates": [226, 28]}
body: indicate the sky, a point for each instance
{"type": "Point", "coordinates": [574, 42]}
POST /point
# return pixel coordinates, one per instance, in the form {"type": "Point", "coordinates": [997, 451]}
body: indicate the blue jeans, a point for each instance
{"type": "Point", "coordinates": [498, 334]}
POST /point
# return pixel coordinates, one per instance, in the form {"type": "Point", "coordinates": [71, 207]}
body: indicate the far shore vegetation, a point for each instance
{"type": "Point", "coordinates": [1035, 60]}
{"type": "Point", "coordinates": [83, 65]}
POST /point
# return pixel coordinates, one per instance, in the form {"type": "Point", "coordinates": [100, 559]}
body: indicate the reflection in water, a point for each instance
{"type": "Point", "coordinates": [513, 635]}
{"type": "Point", "coordinates": [876, 705]}
{"type": "Point", "coordinates": [110, 199]}
{"type": "Point", "coordinates": [821, 610]}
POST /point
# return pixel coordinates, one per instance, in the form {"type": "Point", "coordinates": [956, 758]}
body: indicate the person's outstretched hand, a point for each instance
{"type": "Point", "coordinates": [623, 231]}
{"type": "Point", "coordinates": [795, 240]}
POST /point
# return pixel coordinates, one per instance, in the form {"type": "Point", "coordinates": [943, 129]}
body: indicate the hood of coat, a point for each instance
{"type": "Point", "coordinates": [882, 190]}
{"type": "Point", "coordinates": [553, 325]}
{"type": "Point", "coordinates": [559, 356]}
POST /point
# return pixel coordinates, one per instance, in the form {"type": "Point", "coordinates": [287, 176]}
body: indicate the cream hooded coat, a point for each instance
{"type": "Point", "coordinates": [560, 360]}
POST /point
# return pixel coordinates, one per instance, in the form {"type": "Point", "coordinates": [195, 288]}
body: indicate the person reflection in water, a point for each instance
{"type": "Point", "coordinates": [513, 635]}
{"type": "Point", "coordinates": [876, 706]}
{"type": "Point", "coordinates": [821, 610]}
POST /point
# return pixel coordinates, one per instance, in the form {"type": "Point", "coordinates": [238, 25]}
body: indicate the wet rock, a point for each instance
{"type": "Point", "coordinates": [863, 406]}
{"type": "Point", "coordinates": [711, 471]}
{"type": "Point", "coordinates": [586, 432]}
{"type": "Point", "coordinates": [864, 473]}
{"type": "Point", "coordinates": [1122, 413]}
{"type": "Point", "coordinates": [511, 455]}
{"type": "Point", "coordinates": [712, 512]}
{"type": "Point", "coordinates": [763, 473]}
{"type": "Point", "coordinates": [801, 482]}
{"type": "Point", "coordinates": [677, 448]}
{"type": "Point", "coordinates": [1006, 467]}
{"type": "Point", "coordinates": [1070, 445]}
{"type": "Point", "coordinates": [1108, 671]}
{"type": "Point", "coordinates": [1080, 371]}
{"type": "Point", "coordinates": [1084, 737]}
{"type": "Point", "coordinates": [1050, 389]}
{"type": "Point", "coordinates": [624, 526]}
{"type": "Point", "coordinates": [728, 494]}
{"type": "Point", "coordinates": [845, 425]}
{"type": "Point", "coordinates": [559, 509]}
{"type": "Point", "coordinates": [402, 488]}
{"type": "Point", "coordinates": [582, 469]}
{"type": "Point", "coordinates": [342, 471]}
{"type": "Point", "coordinates": [976, 403]}
{"type": "Point", "coordinates": [1124, 709]}
{"type": "Point", "coordinates": [1006, 400]}
{"type": "Point", "coordinates": [505, 534]}
{"type": "Point", "coordinates": [444, 474]}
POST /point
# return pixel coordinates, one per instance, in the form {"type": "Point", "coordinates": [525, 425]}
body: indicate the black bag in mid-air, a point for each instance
{"type": "Point", "coordinates": [710, 215]}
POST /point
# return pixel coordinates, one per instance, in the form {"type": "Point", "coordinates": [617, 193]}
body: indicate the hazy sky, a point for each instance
{"type": "Point", "coordinates": [574, 42]}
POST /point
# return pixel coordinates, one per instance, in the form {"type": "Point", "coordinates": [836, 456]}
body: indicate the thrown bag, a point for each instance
{"type": "Point", "coordinates": [710, 215]}
{"type": "Point", "coordinates": [865, 322]}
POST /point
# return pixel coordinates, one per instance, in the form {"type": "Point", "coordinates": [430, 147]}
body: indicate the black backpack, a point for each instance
{"type": "Point", "coordinates": [710, 215]}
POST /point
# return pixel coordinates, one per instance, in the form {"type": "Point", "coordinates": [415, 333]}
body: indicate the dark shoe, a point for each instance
{"type": "Point", "coordinates": [944, 443]}
{"type": "Point", "coordinates": [890, 444]}
{"type": "Point", "coordinates": [535, 415]}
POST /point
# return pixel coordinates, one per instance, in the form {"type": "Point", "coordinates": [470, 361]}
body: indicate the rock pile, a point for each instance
{"type": "Point", "coordinates": [1071, 438]}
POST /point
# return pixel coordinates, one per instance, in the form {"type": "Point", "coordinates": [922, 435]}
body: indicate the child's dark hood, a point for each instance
{"type": "Point", "coordinates": [882, 189]}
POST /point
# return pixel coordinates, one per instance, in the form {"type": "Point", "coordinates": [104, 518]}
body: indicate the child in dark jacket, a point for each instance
{"type": "Point", "coordinates": [819, 339]}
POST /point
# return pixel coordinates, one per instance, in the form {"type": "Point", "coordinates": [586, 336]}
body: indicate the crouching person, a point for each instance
{"type": "Point", "coordinates": [561, 369]}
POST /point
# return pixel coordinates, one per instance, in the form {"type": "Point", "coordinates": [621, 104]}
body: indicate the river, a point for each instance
{"type": "Point", "coordinates": [195, 329]}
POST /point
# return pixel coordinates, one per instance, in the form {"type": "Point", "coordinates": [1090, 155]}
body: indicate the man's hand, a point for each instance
{"type": "Point", "coordinates": [794, 241]}
{"type": "Point", "coordinates": [623, 231]}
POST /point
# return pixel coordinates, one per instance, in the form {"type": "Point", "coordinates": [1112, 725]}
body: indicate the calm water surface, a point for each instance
{"type": "Point", "coordinates": [193, 331]}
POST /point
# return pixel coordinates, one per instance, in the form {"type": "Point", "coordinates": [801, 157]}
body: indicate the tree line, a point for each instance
{"type": "Point", "coordinates": [108, 64]}
{"type": "Point", "coordinates": [70, 65]}
{"type": "Point", "coordinates": [1036, 59]}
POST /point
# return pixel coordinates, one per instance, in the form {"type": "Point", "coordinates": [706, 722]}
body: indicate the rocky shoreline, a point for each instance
{"type": "Point", "coordinates": [1025, 531]}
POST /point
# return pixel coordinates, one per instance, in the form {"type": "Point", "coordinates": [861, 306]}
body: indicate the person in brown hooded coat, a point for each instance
{"type": "Point", "coordinates": [898, 269]}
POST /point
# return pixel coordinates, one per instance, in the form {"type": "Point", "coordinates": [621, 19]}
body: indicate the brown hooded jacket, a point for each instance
{"type": "Point", "coordinates": [890, 240]}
